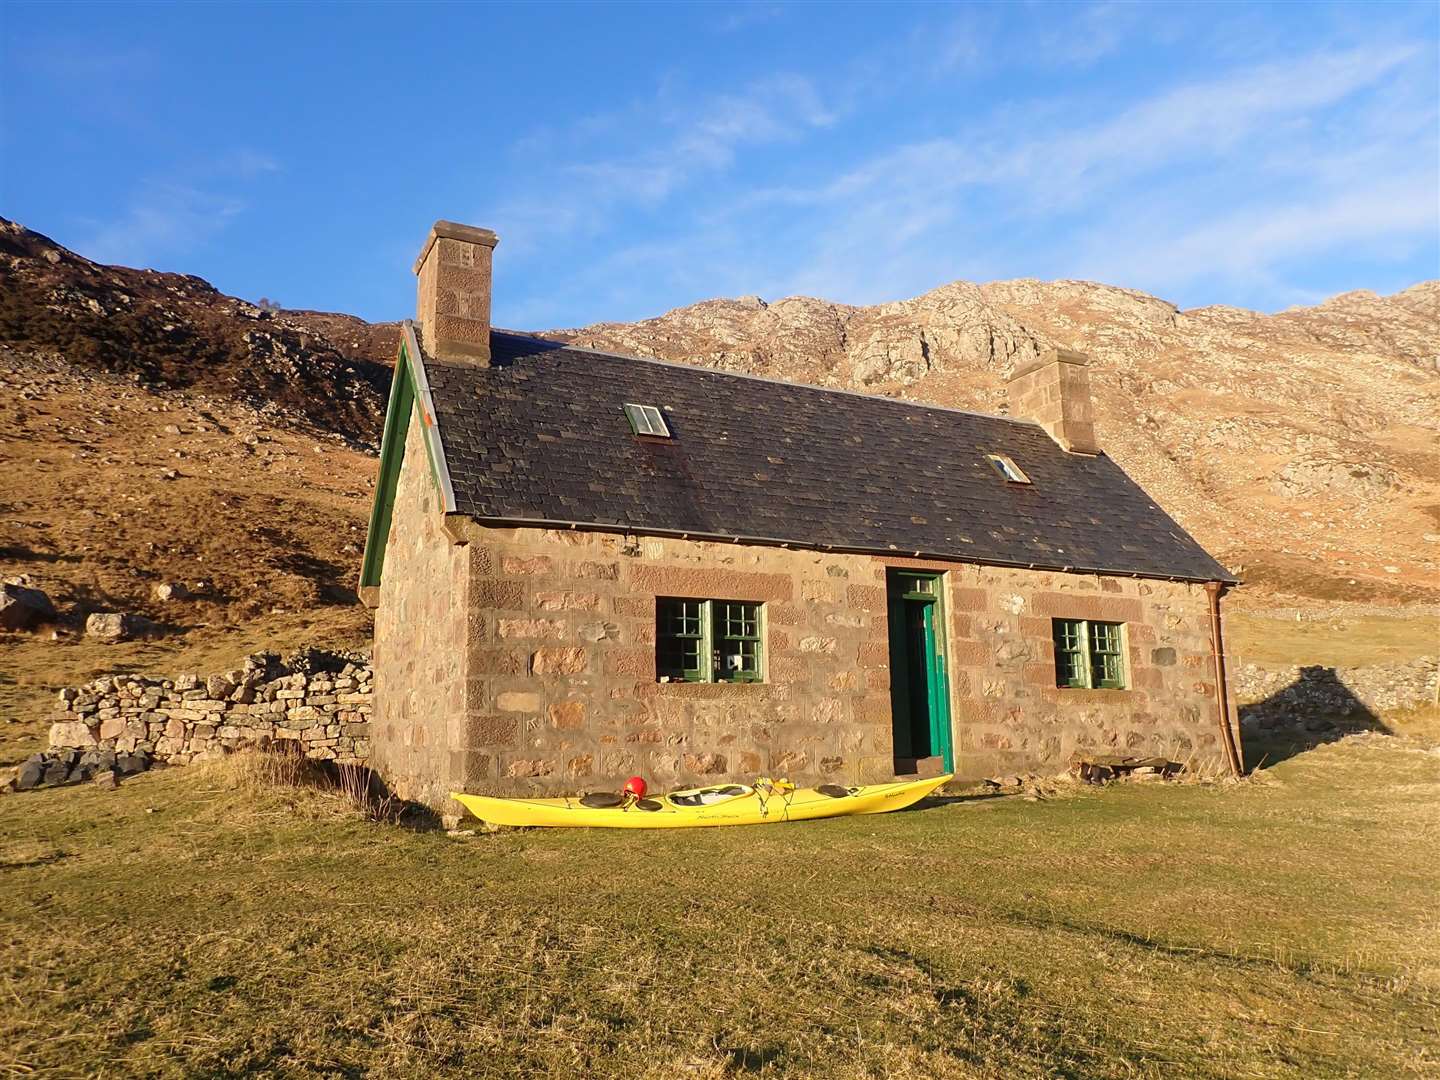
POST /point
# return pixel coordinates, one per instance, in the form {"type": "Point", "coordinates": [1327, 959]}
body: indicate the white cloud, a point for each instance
{"type": "Point", "coordinates": [1292, 145]}
{"type": "Point", "coordinates": [677, 144]}
{"type": "Point", "coordinates": [163, 219]}
{"type": "Point", "coordinates": [176, 214]}
{"type": "Point", "coordinates": [1253, 243]}
{"type": "Point", "coordinates": [743, 16]}
{"type": "Point", "coordinates": [1206, 119]}
{"type": "Point", "coordinates": [1221, 180]}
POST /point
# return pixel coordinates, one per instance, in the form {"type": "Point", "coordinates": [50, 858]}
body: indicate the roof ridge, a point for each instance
{"type": "Point", "coordinates": [767, 379]}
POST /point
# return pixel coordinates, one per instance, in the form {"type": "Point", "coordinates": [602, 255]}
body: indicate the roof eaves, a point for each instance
{"type": "Point", "coordinates": [409, 392]}
{"type": "Point", "coordinates": [807, 545]}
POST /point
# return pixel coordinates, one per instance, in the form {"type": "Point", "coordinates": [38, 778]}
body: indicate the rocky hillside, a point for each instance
{"type": "Point", "coordinates": [173, 331]}
{"type": "Point", "coordinates": [1303, 448]}
{"type": "Point", "coordinates": [178, 454]}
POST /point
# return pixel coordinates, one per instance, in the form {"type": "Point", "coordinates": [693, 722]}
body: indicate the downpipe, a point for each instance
{"type": "Point", "coordinates": [1228, 737]}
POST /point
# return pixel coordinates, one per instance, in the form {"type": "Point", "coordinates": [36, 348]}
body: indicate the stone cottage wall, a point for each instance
{"type": "Point", "coordinates": [420, 633]}
{"type": "Point", "coordinates": [562, 692]}
{"type": "Point", "coordinates": [561, 695]}
{"type": "Point", "coordinates": [325, 714]}
{"type": "Point", "coordinates": [1009, 714]}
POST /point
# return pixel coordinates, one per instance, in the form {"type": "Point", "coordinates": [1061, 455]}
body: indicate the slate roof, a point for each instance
{"type": "Point", "coordinates": [541, 437]}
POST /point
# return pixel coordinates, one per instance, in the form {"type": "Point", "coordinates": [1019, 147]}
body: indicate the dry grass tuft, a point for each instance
{"type": "Point", "coordinates": [280, 777]}
{"type": "Point", "coordinates": [1421, 724]}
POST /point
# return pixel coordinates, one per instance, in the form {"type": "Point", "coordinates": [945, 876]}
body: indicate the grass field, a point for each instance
{"type": "Point", "coordinates": [1261, 637]}
{"type": "Point", "coordinates": [198, 922]}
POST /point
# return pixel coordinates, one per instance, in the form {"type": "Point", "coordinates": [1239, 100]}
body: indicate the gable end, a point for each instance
{"type": "Point", "coordinates": [409, 391]}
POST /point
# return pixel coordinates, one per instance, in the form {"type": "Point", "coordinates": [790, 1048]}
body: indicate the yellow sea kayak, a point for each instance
{"type": "Point", "coordinates": [762, 803]}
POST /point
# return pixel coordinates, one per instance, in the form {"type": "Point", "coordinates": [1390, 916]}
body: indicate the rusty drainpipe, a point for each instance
{"type": "Point", "coordinates": [1216, 589]}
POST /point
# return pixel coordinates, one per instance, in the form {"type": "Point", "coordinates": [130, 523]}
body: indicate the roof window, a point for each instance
{"type": "Point", "coordinates": [1008, 469]}
{"type": "Point", "coordinates": [647, 420]}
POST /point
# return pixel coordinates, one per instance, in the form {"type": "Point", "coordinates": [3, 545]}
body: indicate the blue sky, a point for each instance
{"type": "Point", "coordinates": [635, 158]}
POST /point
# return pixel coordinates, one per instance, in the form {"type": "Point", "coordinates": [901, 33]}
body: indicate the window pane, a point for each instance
{"type": "Point", "coordinates": [737, 641]}
{"type": "Point", "coordinates": [1068, 634]}
{"type": "Point", "coordinates": [680, 639]}
{"type": "Point", "coordinates": [1070, 666]}
{"type": "Point", "coordinates": [739, 620]}
{"type": "Point", "coordinates": [646, 420]}
{"type": "Point", "coordinates": [1107, 654]}
{"type": "Point", "coordinates": [1105, 637]}
{"type": "Point", "coordinates": [1069, 669]}
{"type": "Point", "coordinates": [1007, 468]}
{"type": "Point", "coordinates": [680, 617]}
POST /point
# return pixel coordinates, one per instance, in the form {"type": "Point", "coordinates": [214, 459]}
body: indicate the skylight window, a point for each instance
{"type": "Point", "coordinates": [647, 420]}
{"type": "Point", "coordinates": [1008, 469]}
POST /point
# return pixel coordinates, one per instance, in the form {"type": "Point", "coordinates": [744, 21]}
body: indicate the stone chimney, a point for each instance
{"type": "Point", "coordinates": [1054, 391]}
{"type": "Point", "coordinates": [452, 303]}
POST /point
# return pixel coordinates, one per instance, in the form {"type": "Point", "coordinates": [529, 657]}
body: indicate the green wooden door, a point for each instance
{"type": "Point", "coordinates": [937, 688]}
{"type": "Point", "coordinates": [919, 690]}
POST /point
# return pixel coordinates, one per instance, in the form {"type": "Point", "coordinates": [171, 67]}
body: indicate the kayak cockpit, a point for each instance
{"type": "Point", "coordinates": [709, 796]}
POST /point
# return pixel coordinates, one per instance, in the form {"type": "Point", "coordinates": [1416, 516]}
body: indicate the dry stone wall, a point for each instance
{"type": "Point", "coordinates": [1280, 698]}
{"type": "Point", "coordinates": [319, 702]}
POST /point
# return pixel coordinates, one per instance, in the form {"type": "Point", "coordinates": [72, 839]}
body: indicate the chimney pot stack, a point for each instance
{"type": "Point", "coordinates": [1054, 391]}
{"type": "Point", "coordinates": [452, 302]}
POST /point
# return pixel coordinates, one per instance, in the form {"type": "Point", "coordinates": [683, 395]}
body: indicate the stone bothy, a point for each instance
{"type": "Point", "coordinates": [587, 566]}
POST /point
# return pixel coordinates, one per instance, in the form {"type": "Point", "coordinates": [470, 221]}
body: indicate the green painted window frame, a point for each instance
{"type": "Point", "coordinates": [695, 638]}
{"type": "Point", "coordinates": [1090, 655]}
{"type": "Point", "coordinates": [682, 645]}
{"type": "Point", "coordinates": [737, 633]}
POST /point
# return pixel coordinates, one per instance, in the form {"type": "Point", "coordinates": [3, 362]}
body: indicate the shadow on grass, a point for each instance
{"type": "Point", "coordinates": [1205, 954]}
{"type": "Point", "coordinates": [1317, 708]}
{"type": "Point", "coordinates": [384, 805]}
{"type": "Point", "coordinates": [931, 801]}
{"type": "Point", "coordinates": [282, 765]}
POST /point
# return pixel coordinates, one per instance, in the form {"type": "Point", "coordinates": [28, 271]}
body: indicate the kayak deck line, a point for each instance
{"type": "Point", "coordinates": [763, 803]}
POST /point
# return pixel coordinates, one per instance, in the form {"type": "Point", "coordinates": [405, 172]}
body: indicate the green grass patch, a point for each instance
{"type": "Point", "coordinates": [196, 923]}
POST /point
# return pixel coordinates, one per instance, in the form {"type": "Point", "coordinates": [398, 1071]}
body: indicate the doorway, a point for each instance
{"type": "Point", "coordinates": [919, 690]}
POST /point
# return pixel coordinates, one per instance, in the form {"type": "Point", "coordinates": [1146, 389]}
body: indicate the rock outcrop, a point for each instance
{"type": "Point", "coordinates": [23, 608]}
{"type": "Point", "coordinates": [179, 332]}
{"type": "Point", "coordinates": [115, 626]}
